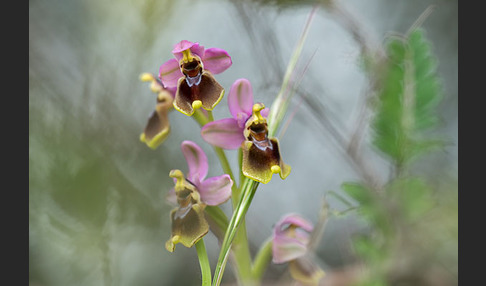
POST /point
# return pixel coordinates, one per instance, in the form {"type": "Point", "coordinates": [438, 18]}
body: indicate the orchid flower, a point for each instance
{"type": "Point", "coordinates": [193, 192]}
{"type": "Point", "coordinates": [247, 129]}
{"type": "Point", "coordinates": [158, 127]}
{"type": "Point", "coordinates": [261, 154]}
{"type": "Point", "coordinates": [227, 133]}
{"type": "Point", "coordinates": [290, 240]}
{"type": "Point", "coordinates": [192, 73]}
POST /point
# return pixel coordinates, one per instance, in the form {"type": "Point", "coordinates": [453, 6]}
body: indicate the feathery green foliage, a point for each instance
{"type": "Point", "coordinates": [405, 113]}
{"type": "Point", "coordinates": [408, 99]}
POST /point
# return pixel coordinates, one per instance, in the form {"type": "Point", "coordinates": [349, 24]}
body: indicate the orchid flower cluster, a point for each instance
{"type": "Point", "coordinates": [187, 84]}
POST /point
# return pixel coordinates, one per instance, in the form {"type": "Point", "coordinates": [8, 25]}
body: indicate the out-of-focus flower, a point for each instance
{"type": "Point", "coordinates": [192, 193]}
{"type": "Point", "coordinates": [158, 127]}
{"type": "Point", "coordinates": [261, 154]}
{"type": "Point", "coordinates": [228, 133]}
{"type": "Point", "coordinates": [290, 240]}
{"type": "Point", "coordinates": [192, 73]}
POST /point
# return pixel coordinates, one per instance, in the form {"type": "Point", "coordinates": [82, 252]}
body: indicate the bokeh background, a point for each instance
{"type": "Point", "coordinates": [97, 209]}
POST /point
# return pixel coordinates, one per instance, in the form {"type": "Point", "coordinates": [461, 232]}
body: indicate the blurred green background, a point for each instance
{"type": "Point", "coordinates": [97, 210]}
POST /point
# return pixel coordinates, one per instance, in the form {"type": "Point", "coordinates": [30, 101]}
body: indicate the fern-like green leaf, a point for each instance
{"type": "Point", "coordinates": [408, 99]}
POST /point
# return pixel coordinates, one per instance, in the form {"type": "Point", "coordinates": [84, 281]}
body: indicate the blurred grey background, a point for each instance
{"type": "Point", "coordinates": [97, 210]}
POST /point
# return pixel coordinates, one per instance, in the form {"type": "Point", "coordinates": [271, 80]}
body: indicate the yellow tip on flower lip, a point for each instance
{"type": "Point", "coordinates": [142, 137]}
{"type": "Point", "coordinates": [179, 176]}
{"type": "Point", "coordinates": [196, 104]}
{"type": "Point", "coordinates": [176, 239]}
{"type": "Point", "coordinates": [275, 169]}
{"type": "Point", "coordinates": [146, 77]}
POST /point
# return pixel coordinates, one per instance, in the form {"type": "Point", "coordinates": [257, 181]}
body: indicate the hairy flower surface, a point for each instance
{"type": "Point", "coordinates": [158, 127]}
{"type": "Point", "coordinates": [192, 193]}
{"type": "Point", "coordinates": [192, 73]}
{"type": "Point", "coordinates": [228, 133]}
{"type": "Point", "coordinates": [290, 240]}
{"type": "Point", "coordinates": [261, 154]}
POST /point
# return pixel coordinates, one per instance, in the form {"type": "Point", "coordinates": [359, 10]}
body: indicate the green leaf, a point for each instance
{"type": "Point", "coordinates": [370, 207]}
{"type": "Point", "coordinates": [413, 196]}
{"type": "Point", "coordinates": [408, 99]}
{"type": "Point", "coordinates": [358, 192]}
{"type": "Point", "coordinates": [387, 125]}
{"type": "Point", "coordinates": [369, 250]}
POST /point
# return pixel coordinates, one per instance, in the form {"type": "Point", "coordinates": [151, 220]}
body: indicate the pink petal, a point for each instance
{"type": "Point", "coordinates": [184, 45]}
{"type": "Point", "coordinates": [264, 112]}
{"type": "Point", "coordinates": [241, 118]}
{"type": "Point", "coordinates": [169, 73]}
{"type": "Point", "coordinates": [285, 250]}
{"type": "Point", "coordinates": [290, 244]}
{"type": "Point", "coordinates": [296, 220]}
{"type": "Point", "coordinates": [216, 60]}
{"type": "Point", "coordinates": [223, 133]}
{"type": "Point", "coordinates": [197, 161]}
{"type": "Point", "coordinates": [215, 190]}
{"type": "Point", "coordinates": [240, 98]}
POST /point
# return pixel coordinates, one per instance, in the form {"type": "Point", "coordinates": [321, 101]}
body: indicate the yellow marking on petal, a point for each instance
{"type": "Point", "coordinates": [285, 171]}
{"type": "Point", "coordinates": [157, 140]}
{"type": "Point", "coordinates": [257, 116]}
{"type": "Point", "coordinates": [142, 137]}
{"type": "Point", "coordinates": [154, 86]}
{"type": "Point", "coordinates": [179, 176]}
{"type": "Point", "coordinates": [187, 56]}
{"type": "Point", "coordinates": [275, 169]}
{"type": "Point", "coordinates": [216, 103]}
{"type": "Point", "coordinates": [196, 104]}
{"type": "Point", "coordinates": [257, 107]}
{"type": "Point", "coordinates": [181, 110]}
{"type": "Point", "coordinates": [169, 245]}
{"type": "Point", "coordinates": [146, 77]}
{"type": "Point", "coordinates": [197, 197]}
{"type": "Point", "coordinates": [176, 239]}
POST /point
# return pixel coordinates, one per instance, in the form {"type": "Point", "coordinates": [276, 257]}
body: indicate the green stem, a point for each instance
{"type": "Point", "coordinates": [240, 163]}
{"type": "Point", "coordinates": [200, 117]}
{"type": "Point", "coordinates": [204, 263]}
{"type": "Point", "coordinates": [248, 191]}
{"type": "Point", "coordinates": [281, 102]}
{"type": "Point", "coordinates": [210, 115]}
{"type": "Point", "coordinates": [242, 254]}
{"type": "Point", "coordinates": [262, 259]}
{"type": "Point", "coordinates": [241, 248]}
{"type": "Point", "coordinates": [235, 192]}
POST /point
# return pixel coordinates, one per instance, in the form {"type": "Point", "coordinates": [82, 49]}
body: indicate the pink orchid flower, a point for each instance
{"type": "Point", "coordinates": [192, 73]}
{"type": "Point", "coordinates": [228, 133]}
{"type": "Point", "coordinates": [192, 193]}
{"type": "Point", "coordinates": [290, 238]}
{"type": "Point", "coordinates": [290, 241]}
{"type": "Point", "coordinates": [248, 129]}
{"type": "Point", "coordinates": [214, 190]}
